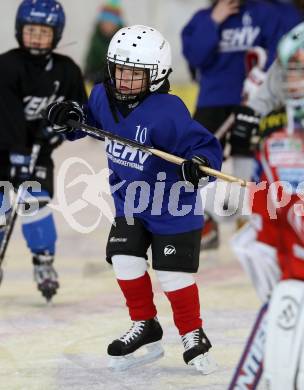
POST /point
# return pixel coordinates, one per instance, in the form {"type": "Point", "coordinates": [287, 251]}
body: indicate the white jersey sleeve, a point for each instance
{"type": "Point", "coordinates": [270, 94]}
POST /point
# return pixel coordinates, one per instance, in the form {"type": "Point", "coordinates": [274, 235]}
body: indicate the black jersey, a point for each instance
{"type": "Point", "coordinates": [28, 84]}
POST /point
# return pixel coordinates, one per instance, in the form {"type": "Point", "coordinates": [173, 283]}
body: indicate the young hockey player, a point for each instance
{"type": "Point", "coordinates": [31, 77]}
{"type": "Point", "coordinates": [134, 103]}
{"type": "Point", "coordinates": [271, 247]}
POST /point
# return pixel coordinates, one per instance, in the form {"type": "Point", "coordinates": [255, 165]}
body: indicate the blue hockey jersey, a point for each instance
{"type": "Point", "coordinates": [145, 186]}
{"type": "Point", "coordinates": [218, 51]}
{"type": "Point", "coordinates": [289, 13]}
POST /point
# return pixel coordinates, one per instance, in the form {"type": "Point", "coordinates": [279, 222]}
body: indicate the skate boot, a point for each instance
{"type": "Point", "coordinates": [141, 334]}
{"type": "Point", "coordinates": [45, 275]}
{"type": "Point", "coordinates": [197, 353]}
{"type": "Point", "coordinates": [210, 234]}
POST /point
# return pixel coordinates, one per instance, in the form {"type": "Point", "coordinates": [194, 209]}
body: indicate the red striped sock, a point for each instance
{"type": "Point", "coordinates": [186, 308]}
{"type": "Point", "coordinates": [139, 297]}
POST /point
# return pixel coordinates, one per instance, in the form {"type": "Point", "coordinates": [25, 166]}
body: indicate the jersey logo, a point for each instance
{"type": "Point", "coordinates": [118, 239]}
{"type": "Point", "coordinates": [33, 105]}
{"type": "Point", "coordinates": [246, 19]}
{"type": "Point", "coordinates": [238, 39]}
{"type": "Point", "coordinates": [169, 250]}
{"type": "Point", "coordinates": [126, 155]}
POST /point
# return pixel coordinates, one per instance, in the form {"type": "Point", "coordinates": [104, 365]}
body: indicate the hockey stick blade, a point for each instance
{"type": "Point", "coordinates": [250, 367]}
{"type": "Point", "coordinates": [101, 134]}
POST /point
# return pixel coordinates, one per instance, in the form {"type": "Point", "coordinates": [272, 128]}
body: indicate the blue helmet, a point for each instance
{"type": "Point", "coordinates": [45, 12]}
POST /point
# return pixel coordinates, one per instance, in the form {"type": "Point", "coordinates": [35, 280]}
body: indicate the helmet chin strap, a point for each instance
{"type": "Point", "coordinates": [38, 52]}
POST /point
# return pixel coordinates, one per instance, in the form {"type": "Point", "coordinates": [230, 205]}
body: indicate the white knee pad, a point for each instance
{"type": "Point", "coordinates": [258, 259]}
{"type": "Point", "coordinates": [129, 267]}
{"type": "Point", "coordinates": [284, 349]}
{"type": "Point", "coordinates": [172, 281]}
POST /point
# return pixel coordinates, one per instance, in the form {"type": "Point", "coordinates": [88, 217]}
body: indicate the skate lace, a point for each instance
{"type": "Point", "coordinates": [191, 339]}
{"type": "Point", "coordinates": [134, 331]}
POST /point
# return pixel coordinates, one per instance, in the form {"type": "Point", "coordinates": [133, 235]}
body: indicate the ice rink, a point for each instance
{"type": "Point", "coordinates": [63, 345]}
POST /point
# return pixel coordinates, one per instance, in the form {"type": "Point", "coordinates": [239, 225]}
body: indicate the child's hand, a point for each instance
{"type": "Point", "coordinates": [225, 8]}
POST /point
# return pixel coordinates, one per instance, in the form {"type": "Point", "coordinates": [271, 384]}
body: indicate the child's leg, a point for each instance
{"type": "Point", "coordinates": [182, 292]}
{"type": "Point", "coordinates": [176, 259]}
{"type": "Point", "coordinates": [126, 250]}
{"type": "Point", "coordinates": [135, 284]}
{"type": "Point", "coordinates": [134, 281]}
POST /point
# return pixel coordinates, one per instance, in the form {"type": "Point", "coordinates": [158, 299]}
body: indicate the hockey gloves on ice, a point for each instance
{"type": "Point", "coordinates": [19, 168]}
{"type": "Point", "coordinates": [191, 173]}
{"type": "Point", "coordinates": [58, 114]}
{"type": "Point", "coordinates": [245, 127]}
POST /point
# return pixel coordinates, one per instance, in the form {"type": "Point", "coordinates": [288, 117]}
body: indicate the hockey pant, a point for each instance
{"type": "Point", "coordinates": [179, 287]}
{"type": "Point", "coordinates": [38, 225]}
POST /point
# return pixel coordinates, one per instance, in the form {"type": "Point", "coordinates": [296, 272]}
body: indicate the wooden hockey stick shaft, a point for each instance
{"type": "Point", "coordinates": [101, 134]}
{"type": "Point", "coordinates": [14, 212]}
{"type": "Point", "coordinates": [222, 130]}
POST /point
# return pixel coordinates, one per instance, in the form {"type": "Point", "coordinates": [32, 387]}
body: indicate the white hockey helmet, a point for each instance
{"type": "Point", "coordinates": [141, 47]}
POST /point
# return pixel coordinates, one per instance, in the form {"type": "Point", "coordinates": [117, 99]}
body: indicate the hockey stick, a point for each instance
{"type": "Point", "coordinates": [14, 212]}
{"type": "Point", "coordinates": [250, 366]}
{"type": "Point", "coordinates": [102, 134]}
{"type": "Point", "coordinates": [225, 126]}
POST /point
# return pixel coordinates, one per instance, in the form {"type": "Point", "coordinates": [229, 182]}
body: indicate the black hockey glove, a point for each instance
{"type": "Point", "coordinates": [19, 168]}
{"type": "Point", "coordinates": [59, 113]}
{"type": "Point", "coordinates": [191, 173]}
{"type": "Point", "coordinates": [245, 127]}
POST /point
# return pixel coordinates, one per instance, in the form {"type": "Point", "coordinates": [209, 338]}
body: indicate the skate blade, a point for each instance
{"type": "Point", "coordinates": [48, 290]}
{"type": "Point", "coordinates": [154, 352]}
{"type": "Point", "coordinates": [205, 364]}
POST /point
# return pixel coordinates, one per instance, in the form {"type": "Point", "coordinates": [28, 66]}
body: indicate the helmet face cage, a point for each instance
{"type": "Point", "coordinates": [129, 80]}
{"type": "Point", "coordinates": [293, 86]}
{"type": "Point", "coordinates": [293, 77]}
{"type": "Point", "coordinates": [38, 39]}
{"type": "Point", "coordinates": [40, 12]}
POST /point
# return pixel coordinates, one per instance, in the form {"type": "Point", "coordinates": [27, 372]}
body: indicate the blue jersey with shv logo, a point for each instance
{"type": "Point", "coordinates": [145, 185]}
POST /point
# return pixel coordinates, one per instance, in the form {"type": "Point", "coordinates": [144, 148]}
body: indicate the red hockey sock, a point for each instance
{"type": "Point", "coordinates": [186, 308]}
{"type": "Point", "coordinates": [139, 297]}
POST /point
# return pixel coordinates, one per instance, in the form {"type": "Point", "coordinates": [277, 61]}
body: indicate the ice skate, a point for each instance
{"type": "Point", "coordinates": [139, 346]}
{"type": "Point", "coordinates": [45, 275]}
{"type": "Point", "coordinates": [197, 353]}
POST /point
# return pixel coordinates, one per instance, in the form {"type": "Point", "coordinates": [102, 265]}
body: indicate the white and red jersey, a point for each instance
{"type": "Point", "coordinates": [280, 205]}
